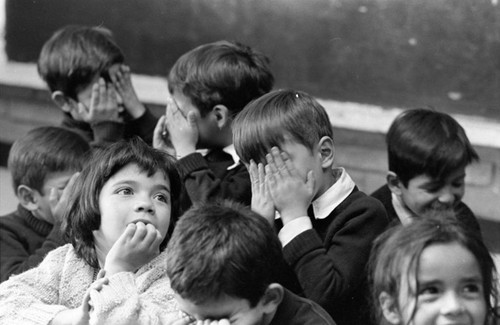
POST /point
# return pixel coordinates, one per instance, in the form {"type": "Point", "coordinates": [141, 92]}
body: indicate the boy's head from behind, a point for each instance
{"type": "Point", "coordinates": [290, 120]}
{"type": "Point", "coordinates": [74, 58]}
{"type": "Point", "coordinates": [43, 159]}
{"type": "Point", "coordinates": [217, 80]}
{"type": "Point", "coordinates": [428, 152]}
{"type": "Point", "coordinates": [223, 262]}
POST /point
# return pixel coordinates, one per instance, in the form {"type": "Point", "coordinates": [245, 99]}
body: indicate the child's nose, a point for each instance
{"type": "Point", "coordinates": [448, 195]}
{"type": "Point", "coordinates": [144, 205]}
{"type": "Point", "coordinates": [452, 304]}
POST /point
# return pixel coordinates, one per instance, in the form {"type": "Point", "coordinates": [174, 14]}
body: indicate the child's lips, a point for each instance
{"type": "Point", "coordinates": [144, 221]}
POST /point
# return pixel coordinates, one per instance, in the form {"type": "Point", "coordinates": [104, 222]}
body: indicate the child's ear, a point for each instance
{"type": "Point", "coordinates": [222, 115]}
{"type": "Point", "coordinates": [394, 183]}
{"type": "Point", "coordinates": [272, 298]}
{"type": "Point", "coordinates": [389, 308]}
{"type": "Point", "coordinates": [27, 197]}
{"type": "Point", "coordinates": [64, 102]}
{"type": "Point", "coordinates": [327, 152]}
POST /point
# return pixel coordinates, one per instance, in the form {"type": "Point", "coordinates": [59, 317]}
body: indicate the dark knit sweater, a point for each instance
{"type": "Point", "coordinates": [206, 178]}
{"type": "Point", "coordinates": [24, 242]}
{"type": "Point", "coordinates": [329, 260]}
{"type": "Point", "coordinates": [295, 310]}
{"type": "Point", "coordinates": [108, 131]}
{"type": "Point", "coordinates": [462, 211]}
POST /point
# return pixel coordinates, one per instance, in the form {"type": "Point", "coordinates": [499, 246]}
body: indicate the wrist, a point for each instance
{"type": "Point", "coordinates": [136, 110]}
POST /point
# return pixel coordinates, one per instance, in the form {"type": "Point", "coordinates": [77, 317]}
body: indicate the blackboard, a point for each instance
{"type": "Point", "coordinates": [397, 53]}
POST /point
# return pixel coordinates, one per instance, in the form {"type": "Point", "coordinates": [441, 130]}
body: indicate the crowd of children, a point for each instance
{"type": "Point", "coordinates": [230, 208]}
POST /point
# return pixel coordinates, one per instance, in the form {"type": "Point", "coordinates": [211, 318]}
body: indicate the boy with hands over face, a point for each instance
{"type": "Point", "coordinates": [325, 224]}
{"type": "Point", "coordinates": [83, 68]}
{"type": "Point", "coordinates": [208, 86]}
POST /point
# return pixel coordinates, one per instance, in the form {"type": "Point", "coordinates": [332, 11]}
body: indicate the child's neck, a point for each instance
{"type": "Point", "coordinates": [329, 177]}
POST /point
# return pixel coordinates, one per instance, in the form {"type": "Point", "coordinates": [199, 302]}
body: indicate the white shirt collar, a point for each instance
{"type": "Point", "coordinates": [403, 213]}
{"type": "Point", "coordinates": [230, 150]}
{"type": "Point", "coordinates": [336, 194]}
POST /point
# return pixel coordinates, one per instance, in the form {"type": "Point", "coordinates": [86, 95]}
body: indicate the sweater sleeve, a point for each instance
{"type": "Point", "coordinates": [33, 297]}
{"type": "Point", "coordinates": [15, 258]}
{"type": "Point", "coordinates": [331, 269]}
{"type": "Point", "coordinates": [201, 182]}
{"type": "Point", "coordinates": [131, 299]}
{"type": "Point", "coordinates": [142, 126]}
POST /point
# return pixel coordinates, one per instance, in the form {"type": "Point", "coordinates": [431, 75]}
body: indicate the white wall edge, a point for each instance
{"type": "Point", "coordinates": [354, 116]}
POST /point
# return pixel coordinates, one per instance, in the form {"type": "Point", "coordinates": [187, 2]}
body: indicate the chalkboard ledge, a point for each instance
{"type": "Point", "coordinates": [347, 115]}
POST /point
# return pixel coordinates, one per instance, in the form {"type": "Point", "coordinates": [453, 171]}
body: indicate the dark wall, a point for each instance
{"type": "Point", "coordinates": [405, 53]}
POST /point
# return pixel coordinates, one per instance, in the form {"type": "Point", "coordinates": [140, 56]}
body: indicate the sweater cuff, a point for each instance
{"type": "Point", "coordinates": [301, 245]}
{"type": "Point", "coordinates": [43, 314]}
{"type": "Point", "coordinates": [191, 163]}
{"type": "Point", "coordinates": [107, 131]}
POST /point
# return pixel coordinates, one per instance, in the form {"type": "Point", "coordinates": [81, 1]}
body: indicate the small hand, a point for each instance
{"type": "Point", "coordinates": [137, 245]}
{"type": "Point", "coordinates": [291, 194]}
{"type": "Point", "coordinates": [161, 139]}
{"type": "Point", "coordinates": [183, 129]}
{"type": "Point", "coordinates": [59, 204]}
{"type": "Point", "coordinates": [213, 322]}
{"type": "Point", "coordinates": [103, 104]}
{"type": "Point", "coordinates": [121, 77]}
{"type": "Point", "coordinates": [177, 319]}
{"type": "Point", "coordinates": [262, 202]}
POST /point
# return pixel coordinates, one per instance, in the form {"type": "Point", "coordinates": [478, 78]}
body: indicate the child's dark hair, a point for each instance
{"type": "Point", "coordinates": [221, 73]}
{"type": "Point", "coordinates": [223, 248]}
{"type": "Point", "coordinates": [42, 151]}
{"type": "Point", "coordinates": [83, 215]}
{"type": "Point", "coordinates": [71, 59]}
{"type": "Point", "coordinates": [396, 253]}
{"type": "Point", "coordinates": [275, 117]}
{"type": "Point", "coordinates": [425, 142]}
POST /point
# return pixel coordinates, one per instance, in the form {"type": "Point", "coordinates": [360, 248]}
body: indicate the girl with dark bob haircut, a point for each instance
{"type": "Point", "coordinates": [83, 216]}
{"type": "Point", "coordinates": [119, 218]}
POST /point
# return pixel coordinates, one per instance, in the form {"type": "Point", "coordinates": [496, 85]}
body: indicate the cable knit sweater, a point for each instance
{"type": "Point", "coordinates": [60, 283]}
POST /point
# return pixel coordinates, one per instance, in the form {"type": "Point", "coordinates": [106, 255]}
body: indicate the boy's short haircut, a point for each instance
{"type": "Point", "coordinates": [83, 215]}
{"type": "Point", "coordinates": [278, 116]}
{"type": "Point", "coordinates": [221, 73]}
{"type": "Point", "coordinates": [222, 249]}
{"type": "Point", "coordinates": [42, 151]}
{"type": "Point", "coordinates": [425, 142]}
{"type": "Point", "coordinates": [74, 55]}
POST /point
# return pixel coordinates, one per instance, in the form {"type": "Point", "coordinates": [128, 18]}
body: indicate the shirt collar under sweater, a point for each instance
{"type": "Point", "coordinates": [41, 227]}
{"type": "Point", "coordinates": [403, 213]}
{"type": "Point", "coordinates": [336, 194]}
{"type": "Point", "coordinates": [229, 150]}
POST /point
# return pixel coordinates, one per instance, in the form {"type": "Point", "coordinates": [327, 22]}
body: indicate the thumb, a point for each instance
{"type": "Point", "coordinates": [192, 118]}
{"type": "Point", "coordinates": [53, 197]}
{"type": "Point", "coordinates": [310, 181]}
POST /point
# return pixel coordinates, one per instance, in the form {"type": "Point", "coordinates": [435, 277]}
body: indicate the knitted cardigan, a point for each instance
{"type": "Point", "coordinates": [61, 280]}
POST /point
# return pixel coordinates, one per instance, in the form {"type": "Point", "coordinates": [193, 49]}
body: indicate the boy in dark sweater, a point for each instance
{"type": "Point", "coordinates": [224, 262]}
{"type": "Point", "coordinates": [326, 225]}
{"type": "Point", "coordinates": [42, 164]}
{"type": "Point", "coordinates": [83, 68]}
{"type": "Point", "coordinates": [208, 86]}
{"type": "Point", "coordinates": [428, 152]}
